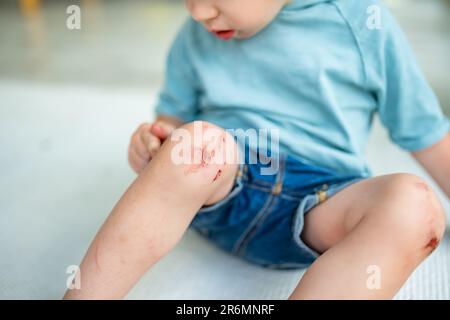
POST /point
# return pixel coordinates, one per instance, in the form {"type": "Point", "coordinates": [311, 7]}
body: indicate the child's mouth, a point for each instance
{"type": "Point", "coordinates": [224, 34]}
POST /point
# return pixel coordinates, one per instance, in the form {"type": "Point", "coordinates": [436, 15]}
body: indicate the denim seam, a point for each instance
{"type": "Point", "coordinates": [245, 172]}
{"type": "Point", "coordinates": [261, 216]}
{"type": "Point", "coordinates": [256, 187]}
{"type": "Point", "coordinates": [289, 197]}
{"type": "Point", "coordinates": [257, 225]}
{"type": "Point", "coordinates": [262, 183]}
{"type": "Point", "coordinates": [237, 245]}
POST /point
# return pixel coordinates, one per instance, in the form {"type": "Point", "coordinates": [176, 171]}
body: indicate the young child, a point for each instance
{"type": "Point", "coordinates": [317, 72]}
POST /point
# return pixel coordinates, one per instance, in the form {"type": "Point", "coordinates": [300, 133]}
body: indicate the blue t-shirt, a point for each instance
{"type": "Point", "coordinates": [318, 72]}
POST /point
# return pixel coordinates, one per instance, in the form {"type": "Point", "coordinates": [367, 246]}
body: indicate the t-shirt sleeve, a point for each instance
{"type": "Point", "coordinates": [407, 106]}
{"type": "Point", "coordinates": [179, 95]}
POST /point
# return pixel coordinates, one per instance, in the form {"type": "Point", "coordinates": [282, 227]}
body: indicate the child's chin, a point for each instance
{"type": "Point", "coordinates": [244, 35]}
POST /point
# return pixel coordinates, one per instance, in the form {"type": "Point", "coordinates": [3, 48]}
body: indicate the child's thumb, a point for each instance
{"type": "Point", "coordinates": [161, 130]}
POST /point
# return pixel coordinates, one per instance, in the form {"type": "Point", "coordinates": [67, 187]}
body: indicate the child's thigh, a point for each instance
{"type": "Point", "coordinates": [381, 197]}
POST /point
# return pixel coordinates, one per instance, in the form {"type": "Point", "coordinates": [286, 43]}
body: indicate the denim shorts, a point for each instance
{"type": "Point", "coordinates": [261, 219]}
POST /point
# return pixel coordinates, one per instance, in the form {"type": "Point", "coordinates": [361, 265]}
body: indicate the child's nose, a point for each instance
{"type": "Point", "coordinates": [202, 11]}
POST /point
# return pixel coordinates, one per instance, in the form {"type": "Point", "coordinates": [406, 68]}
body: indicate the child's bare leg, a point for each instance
{"type": "Point", "coordinates": [152, 216]}
{"type": "Point", "coordinates": [392, 222]}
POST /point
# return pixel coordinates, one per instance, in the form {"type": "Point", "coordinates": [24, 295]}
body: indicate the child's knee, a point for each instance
{"type": "Point", "coordinates": [203, 151]}
{"type": "Point", "coordinates": [418, 218]}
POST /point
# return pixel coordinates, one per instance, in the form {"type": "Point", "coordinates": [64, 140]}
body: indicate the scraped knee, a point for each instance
{"type": "Point", "coordinates": [204, 149]}
{"type": "Point", "coordinates": [424, 217]}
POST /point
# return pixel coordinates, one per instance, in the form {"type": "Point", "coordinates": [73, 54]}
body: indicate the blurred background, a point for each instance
{"type": "Point", "coordinates": [69, 101]}
{"type": "Point", "coordinates": [123, 43]}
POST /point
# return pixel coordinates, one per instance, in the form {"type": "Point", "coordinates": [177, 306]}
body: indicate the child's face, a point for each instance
{"type": "Point", "coordinates": [234, 18]}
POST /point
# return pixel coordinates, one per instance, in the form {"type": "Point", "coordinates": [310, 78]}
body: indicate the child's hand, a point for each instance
{"type": "Point", "coordinates": [146, 142]}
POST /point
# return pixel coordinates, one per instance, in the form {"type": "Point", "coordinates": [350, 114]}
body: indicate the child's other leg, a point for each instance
{"type": "Point", "coordinates": [152, 216]}
{"type": "Point", "coordinates": [392, 222]}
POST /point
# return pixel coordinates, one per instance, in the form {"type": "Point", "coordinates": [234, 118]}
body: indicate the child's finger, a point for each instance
{"type": "Point", "coordinates": [150, 141]}
{"type": "Point", "coordinates": [162, 129]}
{"type": "Point", "coordinates": [158, 131]}
{"type": "Point", "coordinates": [136, 161]}
{"type": "Point", "coordinates": [153, 145]}
{"type": "Point", "coordinates": [140, 145]}
{"type": "Point", "coordinates": [146, 137]}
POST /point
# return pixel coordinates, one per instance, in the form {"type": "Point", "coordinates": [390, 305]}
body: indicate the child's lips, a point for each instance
{"type": "Point", "coordinates": [224, 34]}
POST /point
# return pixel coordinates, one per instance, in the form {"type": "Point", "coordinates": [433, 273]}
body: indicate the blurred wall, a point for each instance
{"type": "Point", "coordinates": [123, 43]}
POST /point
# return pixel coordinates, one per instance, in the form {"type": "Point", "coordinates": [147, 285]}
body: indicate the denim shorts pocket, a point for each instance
{"type": "Point", "coordinates": [308, 202]}
{"type": "Point", "coordinates": [306, 205]}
